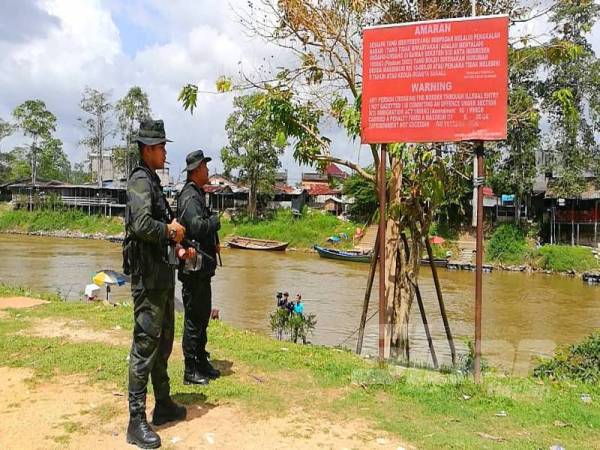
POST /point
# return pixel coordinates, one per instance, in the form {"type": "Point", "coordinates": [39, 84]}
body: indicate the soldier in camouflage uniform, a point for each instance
{"type": "Point", "coordinates": [151, 237]}
{"type": "Point", "coordinates": [202, 227]}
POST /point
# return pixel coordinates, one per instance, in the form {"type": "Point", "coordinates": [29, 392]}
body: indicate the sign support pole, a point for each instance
{"type": "Point", "coordinates": [479, 260]}
{"type": "Point", "coordinates": [382, 302]}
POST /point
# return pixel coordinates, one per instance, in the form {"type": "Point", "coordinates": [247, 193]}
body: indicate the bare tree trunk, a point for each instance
{"type": "Point", "coordinates": [392, 235]}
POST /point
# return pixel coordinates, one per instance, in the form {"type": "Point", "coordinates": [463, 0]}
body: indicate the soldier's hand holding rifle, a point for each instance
{"type": "Point", "coordinates": [175, 231]}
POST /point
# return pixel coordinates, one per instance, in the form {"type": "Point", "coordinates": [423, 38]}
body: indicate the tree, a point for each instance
{"type": "Point", "coordinates": [132, 109]}
{"type": "Point", "coordinates": [254, 146]}
{"type": "Point", "coordinates": [53, 162]}
{"type": "Point", "coordinates": [6, 129]}
{"type": "Point", "coordinates": [571, 97]}
{"type": "Point", "coordinates": [515, 168]}
{"type": "Point", "coordinates": [98, 125]}
{"type": "Point", "coordinates": [36, 122]}
{"type": "Point", "coordinates": [365, 197]}
{"type": "Point", "coordinates": [324, 83]}
{"type": "Point", "coordinates": [79, 174]}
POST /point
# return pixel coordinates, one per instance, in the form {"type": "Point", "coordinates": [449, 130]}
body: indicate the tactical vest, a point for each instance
{"type": "Point", "coordinates": [148, 259]}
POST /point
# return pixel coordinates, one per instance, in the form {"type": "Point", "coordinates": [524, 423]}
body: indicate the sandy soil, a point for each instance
{"type": "Point", "coordinates": [70, 413]}
{"type": "Point", "coordinates": [20, 302]}
{"type": "Point", "coordinates": [75, 330]}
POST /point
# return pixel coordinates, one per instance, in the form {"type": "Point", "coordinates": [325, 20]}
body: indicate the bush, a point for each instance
{"type": "Point", "coordinates": [578, 362]}
{"type": "Point", "coordinates": [507, 245]}
{"type": "Point", "coordinates": [562, 258]}
{"type": "Point", "coordinates": [296, 326]}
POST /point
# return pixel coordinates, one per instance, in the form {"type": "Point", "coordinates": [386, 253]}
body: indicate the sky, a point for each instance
{"type": "Point", "coordinates": [53, 49]}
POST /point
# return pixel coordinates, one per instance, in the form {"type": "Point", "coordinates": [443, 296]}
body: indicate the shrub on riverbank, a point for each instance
{"type": "Point", "coordinates": [48, 220]}
{"type": "Point", "coordinates": [578, 362]}
{"type": "Point", "coordinates": [562, 258]}
{"type": "Point", "coordinates": [313, 227]}
{"type": "Point", "coordinates": [508, 245]}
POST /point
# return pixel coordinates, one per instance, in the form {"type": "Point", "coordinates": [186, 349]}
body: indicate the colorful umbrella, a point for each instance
{"type": "Point", "coordinates": [110, 277]}
{"type": "Point", "coordinates": [437, 240]}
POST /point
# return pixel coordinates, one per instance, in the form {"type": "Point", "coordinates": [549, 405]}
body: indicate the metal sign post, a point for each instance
{"type": "Point", "coordinates": [382, 224]}
{"type": "Point", "coordinates": [479, 260]}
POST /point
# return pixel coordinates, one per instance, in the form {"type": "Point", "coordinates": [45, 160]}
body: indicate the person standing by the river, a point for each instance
{"type": "Point", "coordinates": [151, 234]}
{"type": "Point", "coordinates": [202, 227]}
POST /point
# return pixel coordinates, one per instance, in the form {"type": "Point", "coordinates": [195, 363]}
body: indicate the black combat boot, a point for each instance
{"type": "Point", "coordinates": [167, 411]}
{"type": "Point", "coordinates": [191, 374]}
{"type": "Point", "coordinates": [140, 433]}
{"type": "Point", "coordinates": [206, 368]}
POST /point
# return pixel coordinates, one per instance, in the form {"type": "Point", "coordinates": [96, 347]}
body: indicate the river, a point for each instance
{"type": "Point", "coordinates": [524, 315]}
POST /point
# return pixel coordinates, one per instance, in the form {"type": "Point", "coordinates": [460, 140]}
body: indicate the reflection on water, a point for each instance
{"type": "Point", "coordinates": [524, 315]}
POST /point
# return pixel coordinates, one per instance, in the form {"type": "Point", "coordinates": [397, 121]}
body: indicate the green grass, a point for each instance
{"type": "Point", "coordinates": [269, 378]}
{"type": "Point", "coordinates": [507, 245]}
{"type": "Point", "coordinates": [312, 228]}
{"type": "Point", "coordinates": [561, 258]}
{"type": "Point", "coordinates": [48, 220]}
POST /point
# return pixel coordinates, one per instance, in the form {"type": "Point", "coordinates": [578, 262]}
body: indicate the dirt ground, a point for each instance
{"type": "Point", "coordinates": [68, 412]}
{"type": "Point", "coordinates": [20, 302]}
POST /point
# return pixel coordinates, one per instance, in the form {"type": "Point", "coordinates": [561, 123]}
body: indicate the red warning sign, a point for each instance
{"type": "Point", "coordinates": [439, 81]}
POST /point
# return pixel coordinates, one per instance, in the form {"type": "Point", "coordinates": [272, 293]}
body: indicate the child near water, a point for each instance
{"type": "Point", "coordinates": [299, 306]}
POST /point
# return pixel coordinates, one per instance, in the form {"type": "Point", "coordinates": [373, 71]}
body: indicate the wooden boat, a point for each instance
{"type": "Point", "coordinates": [246, 243]}
{"type": "Point", "coordinates": [591, 278]}
{"type": "Point", "coordinates": [438, 262]}
{"type": "Point", "coordinates": [343, 255]}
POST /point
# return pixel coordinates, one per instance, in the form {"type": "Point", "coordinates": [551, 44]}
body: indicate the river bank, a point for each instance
{"type": "Point", "coordinates": [302, 234]}
{"type": "Point", "coordinates": [301, 396]}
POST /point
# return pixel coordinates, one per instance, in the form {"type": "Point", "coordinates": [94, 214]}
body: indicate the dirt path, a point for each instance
{"type": "Point", "coordinates": [70, 413]}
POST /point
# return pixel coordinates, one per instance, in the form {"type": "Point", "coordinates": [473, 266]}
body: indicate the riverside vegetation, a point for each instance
{"type": "Point", "coordinates": [312, 227]}
{"type": "Point", "coordinates": [507, 245]}
{"type": "Point", "coordinates": [510, 244]}
{"type": "Point", "coordinates": [427, 409]}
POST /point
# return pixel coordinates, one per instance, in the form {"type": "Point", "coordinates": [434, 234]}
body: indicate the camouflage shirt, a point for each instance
{"type": "Point", "coordinates": [146, 216]}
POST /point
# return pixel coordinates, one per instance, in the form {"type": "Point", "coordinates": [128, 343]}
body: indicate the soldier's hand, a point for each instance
{"type": "Point", "coordinates": [215, 222]}
{"type": "Point", "coordinates": [176, 231]}
{"type": "Point", "coordinates": [190, 253]}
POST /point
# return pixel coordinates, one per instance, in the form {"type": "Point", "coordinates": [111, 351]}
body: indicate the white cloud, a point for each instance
{"type": "Point", "coordinates": [182, 42]}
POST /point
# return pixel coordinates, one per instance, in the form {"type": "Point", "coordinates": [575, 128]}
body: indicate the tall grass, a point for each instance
{"type": "Point", "coordinates": [69, 220]}
{"type": "Point", "coordinates": [311, 228]}
{"type": "Point", "coordinates": [561, 258]}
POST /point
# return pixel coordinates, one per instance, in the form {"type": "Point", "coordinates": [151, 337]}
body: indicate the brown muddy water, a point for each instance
{"type": "Point", "coordinates": [525, 315]}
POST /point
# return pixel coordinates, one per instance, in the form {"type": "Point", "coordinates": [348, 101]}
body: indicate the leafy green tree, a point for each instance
{"type": "Point", "coordinates": [35, 121]}
{"type": "Point", "coordinates": [53, 162]}
{"type": "Point", "coordinates": [254, 146]}
{"type": "Point", "coordinates": [98, 125]}
{"type": "Point", "coordinates": [132, 109]}
{"type": "Point", "coordinates": [365, 197]}
{"type": "Point", "coordinates": [571, 97]}
{"type": "Point", "coordinates": [515, 168]}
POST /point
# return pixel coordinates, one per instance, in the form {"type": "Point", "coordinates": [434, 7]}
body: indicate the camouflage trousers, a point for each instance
{"type": "Point", "coordinates": [197, 303]}
{"type": "Point", "coordinates": [153, 335]}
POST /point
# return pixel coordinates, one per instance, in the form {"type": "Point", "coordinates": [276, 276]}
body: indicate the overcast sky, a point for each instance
{"type": "Point", "coordinates": [52, 49]}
